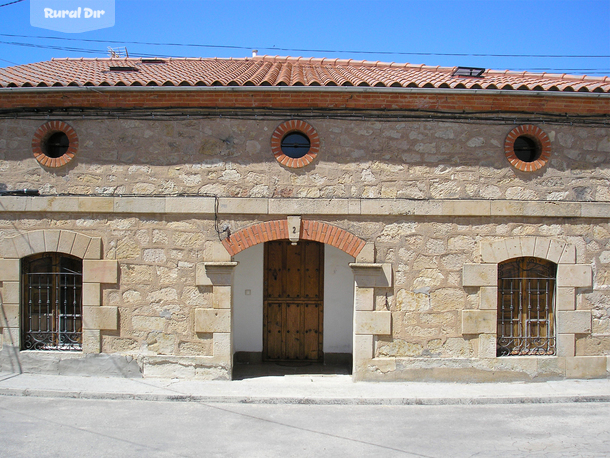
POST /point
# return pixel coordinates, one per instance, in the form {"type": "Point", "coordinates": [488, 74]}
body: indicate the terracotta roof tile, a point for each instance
{"type": "Point", "coordinates": [280, 71]}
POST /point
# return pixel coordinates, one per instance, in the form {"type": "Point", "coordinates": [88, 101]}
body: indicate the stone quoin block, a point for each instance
{"type": "Point", "coordinates": [378, 323]}
{"type": "Point", "coordinates": [489, 298]}
{"type": "Point", "coordinates": [574, 322]}
{"type": "Point", "coordinates": [479, 321]}
{"type": "Point", "coordinates": [212, 320]}
{"type": "Point", "coordinates": [487, 346]}
{"type": "Point", "coordinates": [97, 271]}
{"type": "Point", "coordinates": [11, 292]}
{"type": "Point", "coordinates": [566, 345]}
{"type": "Point", "coordinates": [92, 294]}
{"type": "Point", "coordinates": [565, 298]}
{"type": "Point", "coordinates": [10, 269]}
{"type": "Point", "coordinates": [480, 275]}
{"type": "Point", "coordinates": [575, 275]}
{"type": "Point", "coordinates": [103, 317]}
{"type": "Point", "coordinates": [364, 347]}
{"type": "Point", "coordinates": [9, 315]}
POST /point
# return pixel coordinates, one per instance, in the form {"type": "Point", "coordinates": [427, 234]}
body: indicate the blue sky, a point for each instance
{"type": "Point", "coordinates": [424, 31]}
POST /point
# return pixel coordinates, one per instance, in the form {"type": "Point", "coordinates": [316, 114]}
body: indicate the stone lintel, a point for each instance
{"type": "Point", "coordinates": [214, 273]}
{"type": "Point", "coordinates": [574, 322]}
{"type": "Point", "coordinates": [100, 271]}
{"type": "Point", "coordinates": [213, 320]}
{"type": "Point", "coordinates": [373, 322]}
{"type": "Point", "coordinates": [480, 275]}
{"type": "Point", "coordinates": [369, 275]}
{"type": "Point", "coordinates": [479, 322]}
{"type": "Point", "coordinates": [575, 275]}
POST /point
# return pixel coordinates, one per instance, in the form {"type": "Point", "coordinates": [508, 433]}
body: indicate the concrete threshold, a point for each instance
{"type": "Point", "coordinates": [304, 390]}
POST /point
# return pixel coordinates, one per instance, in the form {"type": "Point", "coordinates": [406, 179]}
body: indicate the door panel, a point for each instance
{"type": "Point", "coordinates": [293, 309]}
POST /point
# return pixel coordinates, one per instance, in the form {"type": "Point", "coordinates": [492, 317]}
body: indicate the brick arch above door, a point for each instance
{"type": "Point", "coordinates": [278, 230]}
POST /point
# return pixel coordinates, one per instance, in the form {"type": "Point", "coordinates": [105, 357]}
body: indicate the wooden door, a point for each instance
{"type": "Point", "coordinates": [293, 301]}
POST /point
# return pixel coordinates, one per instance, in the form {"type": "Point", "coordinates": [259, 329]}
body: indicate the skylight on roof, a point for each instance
{"type": "Point", "coordinates": [123, 69]}
{"type": "Point", "coordinates": [475, 72]}
{"type": "Point", "coordinates": [153, 61]}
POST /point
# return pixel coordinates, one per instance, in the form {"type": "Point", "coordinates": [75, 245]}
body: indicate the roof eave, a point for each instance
{"type": "Point", "coordinates": [348, 89]}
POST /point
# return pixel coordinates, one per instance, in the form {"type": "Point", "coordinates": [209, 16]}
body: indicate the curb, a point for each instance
{"type": "Point", "coordinates": [237, 399]}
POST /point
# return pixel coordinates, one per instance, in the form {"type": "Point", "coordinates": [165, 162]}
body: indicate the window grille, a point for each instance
{"type": "Point", "coordinates": [526, 307]}
{"type": "Point", "coordinates": [52, 303]}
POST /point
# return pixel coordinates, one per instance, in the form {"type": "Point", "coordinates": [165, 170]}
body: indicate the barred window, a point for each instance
{"type": "Point", "coordinates": [51, 302]}
{"type": "Point", "coordinates": [526, 307]}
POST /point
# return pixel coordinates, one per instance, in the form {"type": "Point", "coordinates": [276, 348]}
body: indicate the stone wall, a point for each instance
{"type": "Point", "coordinates": [358, 159]}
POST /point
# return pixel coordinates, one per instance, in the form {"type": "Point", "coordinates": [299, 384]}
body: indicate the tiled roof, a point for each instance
{"type": "Point", "coordinates": [280, 71]}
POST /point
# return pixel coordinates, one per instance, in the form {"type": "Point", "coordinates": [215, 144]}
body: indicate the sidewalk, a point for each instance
{"type": "Point", "coordinates": [304, 389]}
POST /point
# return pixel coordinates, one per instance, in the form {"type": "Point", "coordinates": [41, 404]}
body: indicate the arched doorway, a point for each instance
{"type": "Point", "coordinates": [335, 329]}
{"type": "Point", "coordinates": [293, 282]}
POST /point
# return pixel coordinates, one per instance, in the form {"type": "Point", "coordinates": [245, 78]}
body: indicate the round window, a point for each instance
{"type": "Point", "coordinates": [527, 148]}
{"type": "Point", "coordinates": [54, 144]}
{"type": "Point", "coordinates": [295, 143]}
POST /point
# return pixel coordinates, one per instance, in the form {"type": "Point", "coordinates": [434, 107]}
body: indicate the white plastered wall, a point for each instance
{"type": "Point", "coordinates": [248, 300]}
{"type": "Point", "coordinates": [338, 301]}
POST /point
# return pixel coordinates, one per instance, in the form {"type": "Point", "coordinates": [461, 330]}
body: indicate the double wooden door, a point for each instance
{"type": "Point", "coordinates": [293, 301]}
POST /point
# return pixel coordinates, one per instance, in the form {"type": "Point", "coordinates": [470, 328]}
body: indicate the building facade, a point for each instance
{"type": "Point", "coordinates": [172, 216]}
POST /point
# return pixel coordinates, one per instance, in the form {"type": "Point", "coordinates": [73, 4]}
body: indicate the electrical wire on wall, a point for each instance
{"type": "Point", "coordinates": [260, 113]}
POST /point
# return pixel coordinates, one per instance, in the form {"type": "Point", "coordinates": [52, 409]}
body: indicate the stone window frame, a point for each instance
{"type": "Point", "coordinates": [538, 136]}
{"type": "Point", "coordinates": [43, 133]}
{"type": "Point", "coordinates": [570, 322]}
{"type": "Point", "coordinates": [96, 271]}
{"type": "Point", "coordinates": [287, 127]}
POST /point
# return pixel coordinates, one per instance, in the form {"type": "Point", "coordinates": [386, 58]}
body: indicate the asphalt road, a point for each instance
{"type": "Point", "coordinates": [53, 427]}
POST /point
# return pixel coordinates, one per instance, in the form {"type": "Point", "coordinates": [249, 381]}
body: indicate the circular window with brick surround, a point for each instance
{"type": "Point", "coordinates": [54, 144]}
{"type": "Point", "coordinates": [527, 148]}
{"type": "Point", "coordinates": [295, 143]}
